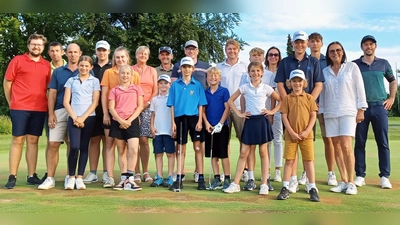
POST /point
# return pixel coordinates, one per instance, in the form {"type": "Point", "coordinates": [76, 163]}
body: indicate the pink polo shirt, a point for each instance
{"type": "Point", "coordinates": [125, 99]}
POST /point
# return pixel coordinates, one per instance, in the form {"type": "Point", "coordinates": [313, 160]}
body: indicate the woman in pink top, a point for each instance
{"type": "Point", "coordinates": [148, 83]}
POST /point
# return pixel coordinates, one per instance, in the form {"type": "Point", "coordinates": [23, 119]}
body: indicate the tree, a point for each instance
{"type": "Point", "coordinates": [289, 46]}
{"type": "Point", "coordinates": [210, 30]}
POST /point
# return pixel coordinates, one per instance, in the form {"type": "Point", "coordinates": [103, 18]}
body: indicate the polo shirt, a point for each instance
{"type": "Point", "coordinates": [373, 76]}
{"type": "Point", "coordinates": [53, 67]}
{"type": "Point", "coordinates": [255, 97]}
{"type": "Point", "coordinates": [199, 73]}
{"type": "Point", "coordinates": [309, 65]}
{"type": "Point", "coordinates": [216, 104]}
{"type": "Point", "coordinates": [29, 83]}
{"type": "Point", "coordinates": [186, 98]}
{"type": "Point", "coordinates": [298, 109]}
{"type": "Point", "coordinates": [126, 100]}
{"type": "Point", "coordinates": [162, 115]}
{"type": "Point", "coordinates": [57, 82]}
{"type": "Point", "coordinates": [230, 77]}
{"type": "Point", "coordinates": [82, 93]}
{"type": "Point", "coordinates": [98, 73]}
{"type": "Point", "coordinates": [322, 61]}
{"type": "Point", "coordinates": [160, 70]}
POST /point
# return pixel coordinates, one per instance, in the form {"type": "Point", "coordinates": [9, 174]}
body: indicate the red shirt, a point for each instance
{"type": "Point", "coordinates": [29, 83]}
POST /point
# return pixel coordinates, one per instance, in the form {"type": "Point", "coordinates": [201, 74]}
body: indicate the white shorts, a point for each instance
{"type": "Point", "coordinates": [59, 132]}
{"type": "Point", "coordinates": [340, 126]}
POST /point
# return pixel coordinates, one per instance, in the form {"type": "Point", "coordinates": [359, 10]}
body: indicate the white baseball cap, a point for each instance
{"type": "Point", "coordinates": [300, 35]}
{"type": "Point", "coordinates": [191, 43]}
{"type": "Point", "coordinates": [297, 73]}
{"type": "Point", "coordinates": [103, 44]}
{"type": "Point", "coordinates": [187, 61]}
{"type": "Point", "coordinates": [164, 77]}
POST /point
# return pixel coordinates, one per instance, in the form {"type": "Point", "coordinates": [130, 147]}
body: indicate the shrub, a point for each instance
{"type": "Point", "coordinates": [5, 125]}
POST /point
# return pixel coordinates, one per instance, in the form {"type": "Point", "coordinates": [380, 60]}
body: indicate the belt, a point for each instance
{"type": "Point", "coordinates": [371, 104]}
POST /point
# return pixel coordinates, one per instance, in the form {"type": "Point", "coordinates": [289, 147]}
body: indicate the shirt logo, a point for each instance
{"type": "Point", "coordinates": [191, 92]}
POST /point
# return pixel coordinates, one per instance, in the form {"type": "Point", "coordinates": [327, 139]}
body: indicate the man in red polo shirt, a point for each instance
{"type": "Point", "coordinates": [25, 87]}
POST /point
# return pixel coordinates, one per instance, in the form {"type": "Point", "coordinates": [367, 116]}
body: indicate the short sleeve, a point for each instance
{"type": "Point", "coordinates": [112, 95]}
{"type": "Point", "coordinates": [226, 95]}
{"type": "Point", "coordinates": [69, 82]}
{"type": "Point", "coordinates": [284, 107]}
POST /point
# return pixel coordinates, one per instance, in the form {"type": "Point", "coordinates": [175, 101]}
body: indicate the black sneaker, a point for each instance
{"type": "Point", "coordinates": [250, 185]}
{"type": "Point", "coordinates": [44, 178]}
{"type": "Point", "coordinates": [284, 194]}
{"type": "Point", "coordinates": [11, 182]}
{"type": "Point", "coordinates": [201, 185]}
{"type": "Point", "coordinates": [314, 195]}
{"type": "Point", "coordinates": [34, 180]}
{"type": "Point", "coordinates": [227, 182]}
{"type": "Point", "coordinates": [270, 188]}
{"type": "Point", "coordinates": [176, 185]}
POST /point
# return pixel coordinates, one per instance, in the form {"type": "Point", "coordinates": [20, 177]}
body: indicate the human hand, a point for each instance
{"type": "Point", "coordinates": [106, 119]}
{"type": "Point", "coordinates": [388, 103]}
{"type": "Point", "coordinates": [244, 115]}
{"type": "Point", "coordinates": [52, 120]}
{"type": "Point", "coordinates": [217, 128]}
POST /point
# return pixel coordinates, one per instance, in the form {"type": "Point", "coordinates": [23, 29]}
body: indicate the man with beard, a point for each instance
{"type": "Point", "coordinates": [25, 87]}
{"type": "Point", "coordinates": [165, 56]}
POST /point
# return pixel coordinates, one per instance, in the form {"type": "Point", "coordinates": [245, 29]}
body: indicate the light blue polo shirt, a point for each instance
{"type": "Point", "coordinates": [82, 93]}
{"type": "Point", "coordinates": [186, 98]}
{"type": "Point", "coordinates": [215, 108]}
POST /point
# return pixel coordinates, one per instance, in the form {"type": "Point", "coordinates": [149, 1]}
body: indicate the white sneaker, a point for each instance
{"type": "Point", "coordinates": [332, 179]}
{"type": "Point", "coordinates": [294, 186]}
{"type": "Point", "coordinates": [385, 183]}
{"type": "Point", "coordinates": [79, 184]}
{"type": "Point", "coordinates": [70, 185]}
{"type": "Point", "coordinates": [222, 178]}
{"type": "Point", "coordinates": [196, 177]}
{"type": "Point", "coordinates": [307, 186]}
{"type": "Point", "coordinates": [105, 177]}
{"type": "Point", "coordinates": [245, 176]}
{"type": "Point", "coordinates": [47, 184]}
{"type": "Point", "coordinates": [359, 181]}
{"type": "Point", "coordinates": [90, 178]}
{"type": "Point", "coordinates": [66, 180]}
{"type": "Point", "coordinates": [278, 177]}
{"type": "Point", "coordinates": [302, 179]}
{"type": "Point", "coordinates": [351, 189]}
{"type": "Point", "coordinates": [109, 183]}
{"type": "Point", "coordinates": [131, 185]}
{"type": "Point", "coordinates": [263, 189]}
{"type": "Point", "coordinates": [341, 187]}
{"type": "Point", "coordinates": [232, 188]}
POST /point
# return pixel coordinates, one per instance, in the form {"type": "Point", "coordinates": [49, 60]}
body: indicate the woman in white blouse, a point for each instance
{"type": "Point", "coordinates": [342, 104]}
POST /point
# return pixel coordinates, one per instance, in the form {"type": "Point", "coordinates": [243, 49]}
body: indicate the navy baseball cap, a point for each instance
{"type": "Point", "coordinates": [368, 38]}
{"type": "Point", "coordinates": [165, 49]}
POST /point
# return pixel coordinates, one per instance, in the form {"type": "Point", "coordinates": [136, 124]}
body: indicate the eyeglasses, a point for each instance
{"type": "Point", "coordinates": [36, 44]}
{"type": "Point", "coordinates": [335, 50]}
{"type": "Point", "coordinates": [273, 54]}
{"type": "Point", "coordinates": [191, 49]}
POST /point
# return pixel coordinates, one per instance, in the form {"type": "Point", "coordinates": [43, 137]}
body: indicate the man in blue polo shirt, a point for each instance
{"type": "Point", "coordinates": [58, 116]}
{"type": "Point", "coordinates": [374, 70]}
{"type": "Point", "coordinates": [313, 73]}
{"type": "Point", "coordinates": [186, 99]}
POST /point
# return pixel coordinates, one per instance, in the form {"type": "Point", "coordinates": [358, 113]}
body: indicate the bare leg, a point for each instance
{"type": "Point", "coordinates": [336, 141]}
{"type": "Point", "coordinates": [52, 157]}
{"type": "Point", "coordinates": [244, 153]}
{"type": "Point", "coordinates": [31, 153]}
{"type": "Point", "coordinates": [15, 155]}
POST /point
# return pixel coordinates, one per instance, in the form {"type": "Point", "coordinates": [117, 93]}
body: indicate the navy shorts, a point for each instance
{"type": "Point", "coordinates": [124, 134]}
{"type": "Point", "coordinates": [27, 122]}
{"type": "Point", "coordinates": [98, 129]}
{"type": "Point", "coordinates": [163, 143]}
{"type": "Point", "coordinates": [220, 144]}
{"type": "Point", "coordinates": [188, 125]}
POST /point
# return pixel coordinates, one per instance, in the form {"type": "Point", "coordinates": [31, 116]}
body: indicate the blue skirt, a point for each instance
{"type": "Point", "coordinates": [257, 130]}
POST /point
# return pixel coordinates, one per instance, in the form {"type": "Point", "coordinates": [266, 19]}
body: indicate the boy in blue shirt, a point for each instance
{"type": "Point", "coordinates": [186, 100]}
{"type": "Point", "coordinates": [216, 124]}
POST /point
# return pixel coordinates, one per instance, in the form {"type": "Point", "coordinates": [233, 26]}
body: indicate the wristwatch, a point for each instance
{"type": "Point", "coordinates": [363, 108]}
{"type": "Point", "coordinates": [149, 103]}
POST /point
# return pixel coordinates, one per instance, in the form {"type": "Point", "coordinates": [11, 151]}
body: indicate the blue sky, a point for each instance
{"type": "Point", "coordinates": [271, 29]}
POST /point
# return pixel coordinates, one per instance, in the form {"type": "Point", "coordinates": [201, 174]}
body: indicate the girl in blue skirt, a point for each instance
{"type": "Point", "coordinates": [257, 129]}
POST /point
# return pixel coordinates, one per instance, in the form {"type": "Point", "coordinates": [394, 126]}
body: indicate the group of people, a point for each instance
{"type": "Point", "coordinates": [83, 102]}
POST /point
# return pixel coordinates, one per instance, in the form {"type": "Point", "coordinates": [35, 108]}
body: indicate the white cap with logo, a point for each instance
{"type": "Point", "coordinates": [191, 43]}
{"type": "Point", "coordinates": [164, 77]}
{"type": "Point", "coordinates": [300, 35]}
{"type": "Point", "coordinates": [187, 61]}
{"type": "Point", "coordinates": [103, 44]}
{"type": "Point", "coordinates": [297, 73]}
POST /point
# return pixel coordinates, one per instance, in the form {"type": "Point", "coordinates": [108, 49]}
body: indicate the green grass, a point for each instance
{"type": "Point", "coordinates": [370, 199]}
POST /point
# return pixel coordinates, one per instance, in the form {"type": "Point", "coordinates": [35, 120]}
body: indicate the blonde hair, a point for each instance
{"type": "Point", "coordinates": [128, 61]}
{"type": "Point", "coordinates": [256, 51]}
{"type": "Point", "coordinates": [214, 70]}
{"type": "Point", "coordinates": [232, 42]}
{"type": "Point", "coordinates": [135, 76]}
{"type": "Point", "coordinates": [36, 37]}
{"type": "Point", "coordinates": [288, 85]}
{"type": "Point", "coordinates": [142, 49]}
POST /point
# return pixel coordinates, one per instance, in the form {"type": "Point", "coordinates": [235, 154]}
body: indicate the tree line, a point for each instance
{"type": "Point", "coordinates": [130, 30]}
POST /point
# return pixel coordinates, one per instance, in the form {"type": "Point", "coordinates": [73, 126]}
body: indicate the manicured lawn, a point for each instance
{"type": "Point", "coordinates": [370, 199]}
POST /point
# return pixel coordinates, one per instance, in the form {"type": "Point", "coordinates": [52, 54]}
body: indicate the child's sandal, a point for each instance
{"type": "Point", "coordinates": [138, 178]}
{"type": "Point", "coordinates": [147, 177]}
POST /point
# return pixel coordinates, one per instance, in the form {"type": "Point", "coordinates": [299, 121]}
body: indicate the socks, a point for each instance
{"type": "Point", "coordinates": [251, 175]}
{"type": "Point", "coordinates": [285, 184]}
{"type": "Point", "coordinates": [94, 172]}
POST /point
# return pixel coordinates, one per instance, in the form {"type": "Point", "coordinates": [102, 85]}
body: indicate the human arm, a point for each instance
{"type": "Point", "coordinates": [95, 101]}
{"type": "Point", "coordinates": [68, 108]}
{"type": "Point", "coordinates": [138, 109]}
{"type": "Point", "coordinates": [7, 90]}
{"type": "Point", "coordinates": [154, 91]}
{"type": "Point", "coordinates": [209, 128]}
{"type": "Point", "coordinates": [232, 105]}
{"type": "Point", "coordinates": [388, 103]}
{"type": "Point", "coordinates": [123, 124]}
{"type": "Point", "coordinates": [317, 89]}
{"type": "Point", "coordinates": [104, 105]}
{"type": "Point", "coordinates": [153, 129]}
{"type": "Point", "coordinates": [173, 127]}
{"type": "Point", "coordinates": [281, 89]}
{"type": "Point", "coordinates": [52, 95]}
{"type": "Point", "coordinates": [304, 134]}
{"type": "Point", "coordinates": [295, 137]}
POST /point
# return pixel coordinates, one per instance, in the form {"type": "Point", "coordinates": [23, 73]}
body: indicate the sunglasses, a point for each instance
{"type": "Point", "coordinates": [335, 50]}
{"type": "Point", "coordinates": [273, 54]}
